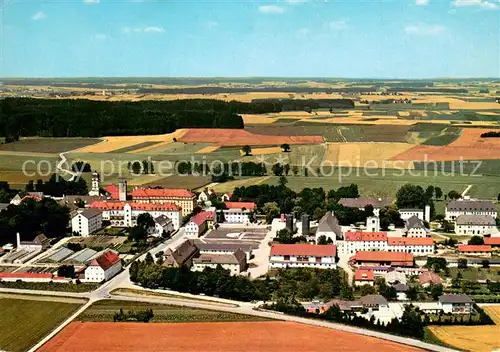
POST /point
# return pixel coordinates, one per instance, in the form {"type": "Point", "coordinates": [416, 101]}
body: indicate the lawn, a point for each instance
{"type": "Point", "coordinates": [48, 145]}
{"type": "Point", "coordinates": [47, 286]}
{"type": "Point", "coordinates": [104, 310]}
{"type": "Point", "coordinates": [23, 322]}
{"type": "Point", "coordinates": [474, 274]}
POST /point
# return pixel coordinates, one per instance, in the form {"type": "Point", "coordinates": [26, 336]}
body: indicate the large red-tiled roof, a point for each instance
{"type": "Point", "coordinates": [114, 205]}
{"type": "Point", "coordinates": [365, 236]}
{"type": "Point", "coordinates": [161, 192]}
{"type": "Point", "coordinates": [473, 248]}
{"type": "Point", "coordinates": [410, 241]}
{"type": "Point", "coordinates": [396, 258]}
{"type": "Point", "coordinates": [200, 218]}
{"type": "Point", "coordinates": [25, 276]}
{"type": "Point", "coordinates": [492, 241]}
{"type": "Point", "coordinates": [364, 275]}
{"type": "Point", "coordinates": [113, 191]}
{"type": "Point", "coordinates": [314, 250]}
{"type": "Point", "coordinates": [240, 205]}
{"type": "Point", "coordinates": [106, 260]}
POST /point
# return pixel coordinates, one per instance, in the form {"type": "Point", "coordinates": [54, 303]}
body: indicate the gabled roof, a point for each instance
{"type": "Point", "coordinates": [362, 202]}
{"type": "Point", "coordinates": [492, 241]}
{"type": "Point", "coordinates": [106, 260]}
{"type": "Point", "coordinates": [460, 298]}
{"type": "Point", "coordinates": [429, 278]}
{"type": "Point", "coordinates": [365, 236]}
{"type": "Point", "coordinates": [474, 248]}
{"type": "Point", "coordinates": [410, 241]}
{"type": "Point", "coordinates": [182, 253]}
{"type": "Point", "coordinates": [371, 300]}
{"type": "Point", "coordinates": [313, 250]}
{"type": "Point", "coordinates": [329, 223]}
{"type": "Point", "coordinates": [163, 220]}
{"type": "Point", "coordinates": [113, 191]}
{"type": "Point", "coordinates": [161, 192]}
{"type": "Point", "coordinates": [201, 217]}
{"type": "Point", "coordinates": [466, 205]}
{"type": "Point", "coordinates": [240, 205]}
{"type": "Point", "coordinates": [396, 258]}
{"type": "Point", "coordinates": [238, 257]}
{"type": "Point", "coordinates": [414, 222]}
{"type": "Point", "coordinates": [400, 287]}
{"type": "Point", "coordinates": [38, 240]}
{"type": "Point", "coordinates": [475, 220]}
{"type": "Point", "coordinates": [90, 213]}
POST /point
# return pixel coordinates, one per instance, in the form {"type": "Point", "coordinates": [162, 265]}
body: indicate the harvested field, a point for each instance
{"type": "Point", "coordinates": [472, 338]}
{"type": "Point", "coordinates": [372, 155]}
{"type": "Point", "coordinates": [242, 182]}
{"type": "Point", "coordinates": [132, 148]}
{"type": "Point", "coordinates": [230, 337]}
{"type": "Point", "coordinates": [469, 146]}
{"type": "Point", "coordinates": [24, 322]}
{"type": "Point", "coordinates": [178, 181]}
{"type": "Point", "coordinates": [208, 149]}
{"type": "Point", "coordinates": [262, 151]}
{"type": "Point", "coordinates": [48, 145]}
{"type": "Point", "coordinates": [230, 137]}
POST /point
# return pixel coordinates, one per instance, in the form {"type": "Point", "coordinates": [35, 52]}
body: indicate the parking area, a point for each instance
{"type": "Point", "coordinates": [256, 233]}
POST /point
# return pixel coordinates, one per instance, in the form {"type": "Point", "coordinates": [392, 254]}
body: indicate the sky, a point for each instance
{"type": "Point", "coordinates": [243, 38]}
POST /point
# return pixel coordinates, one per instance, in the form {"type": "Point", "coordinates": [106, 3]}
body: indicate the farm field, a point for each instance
{"type": "Point", "coordinates": [103, 311]}
{"type": "Point", "coordinates": [26, 320]}
{"type": "Point", "coordinates": [230, 337]}
{"type": "Point", "coordinates": [472, 338]}
{"type": "Point", "coordinates": [48, 145]}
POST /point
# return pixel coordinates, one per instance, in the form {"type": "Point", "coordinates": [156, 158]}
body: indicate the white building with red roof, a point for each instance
{"type": "Point", "coordinates": [475, 250]}
{"type": "Point", "coordinates": [238, 212]}
{"type": "Point", "coordinates": [415, 245]}
{"type": "Point", "coordinates": [199, 224]}
{"type": "Point", "coordinates": [382, 259]}
{"type": "Point", "coordinates": [104, 267]}
{"type": "Point", "coordinates": [362, 241]}
{"type": "Point", "coordinates": [364, 277]}
{"type": "Point", "coordinates": [303, 255]}
{"type": "Point", "coordinates": [124, 214]}
{"type": "Point", "coordinates": [183, 198]}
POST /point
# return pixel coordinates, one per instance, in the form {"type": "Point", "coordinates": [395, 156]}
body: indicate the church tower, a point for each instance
{"type": "Point", "coordinates": [94, 191]}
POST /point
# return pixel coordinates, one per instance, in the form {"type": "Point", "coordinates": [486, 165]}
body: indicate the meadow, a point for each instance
{"type": "Point", "coordinates": [23, 322]}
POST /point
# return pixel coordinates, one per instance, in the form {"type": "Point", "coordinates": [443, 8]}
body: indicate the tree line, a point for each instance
{"type": "Point", "coordinates": [490, 134]}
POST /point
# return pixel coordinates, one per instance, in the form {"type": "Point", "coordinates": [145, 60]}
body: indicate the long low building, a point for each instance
{"type": "Point", "coordinates": [303, 255]}
{"type": "Point", "coordinates": [235, 262]}
{"type": "Point", "coordinates": [124, 214]}
{"type": "Point", "coordinates": [382, 259]}
{"type": "Point", "coordinates": [414, 245]}
{"type": "Point", "coordinates": [475, 225]}
{"type": "Point", "coordinates": [475, 250]}
{"type": "Point", "coordinates": [224, 248]}
{"type": "Point", "coordinates": [455, 208]}
{"type": "Point", "coordinates": [238, 212]}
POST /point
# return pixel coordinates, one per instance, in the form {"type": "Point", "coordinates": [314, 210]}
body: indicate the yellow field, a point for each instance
{"type": "Point", "coordinates": [263, 151]}
{"type": "Point", "coordinates": [114, 143]}
{"type": "Point", "coordinates": [473, 338]}
{"type": "Point", "coordinates": [231, 185]}
{"type": "Point", "coordinates": [208, 149]}
{"type": "Point", "coordinates": [367, 154]}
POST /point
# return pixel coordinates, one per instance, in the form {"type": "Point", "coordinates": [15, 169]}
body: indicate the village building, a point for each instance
{"type": "Point", "coordinates": [415, 227]}
{"type": "Point", "coordinates": [361, 202]}
{"type": "Point", "coordinates": [329, 227]}
{"type": "Point", "coordinates": [238, 212]}
{"type": "Point", "coordinates": [183, 198]}
{"type": "Point", "coordinates": [199, 224]}
{"type": "Point", "coordinates": [205, 195]}
{"type": "Point", "coordinates": [124, 214]}
{"type": "Point", "coordinates": [382, 259]}
{"type": "Point", "coordinates": [364, 277]}
{"type": "Point", "coordinates": [362, 241]}
{"type": "Point", "coordinates": [474, 250]}
{"type": "Point", "coordinates": [374, 302]}
{"type": "Point", "coordinates": [494, 242]}
{"type": "Point", "coordinates": [401, 291]}
{"type": "Point", "coordinates": [429, 278]}
{"type": "Point", "coordinates": [39, 243]}
{"type": "Point", "coordinates": [456, 304]}
{"type": "Point", "coordinates": [395, 276]}
{"type": "Point", "coordinates": [475, 225]}
{"type": "Point", "coordinates": [303, 255]}
{"type": "Point", "coordinates": [38, 196]}
{"type": "Point", "coordinates": [3, 206]}
{"type": "Point", "coordinates": [87, 221]}
{"type": "Point", "coordinates": [419, 246]}
{"type": "Point", "coordinates": [235, 262]}
{"type": "Point", "coordinates": [182, 255]}
{"type": "Point", "coordinates": [211, 247]}
{"type": "Point", "coordinates": [455, 208]}
{"type": "Point", "coordinates": [104, 267]}
{"type": "Point", "coordinates": [95, 187]}
{"type": "Point", "coordinates": [163, 224]}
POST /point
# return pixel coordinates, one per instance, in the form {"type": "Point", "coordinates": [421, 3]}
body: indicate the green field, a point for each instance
{"type": "Point", "coordinates": [47, 286]}
{"type": "Point", "coordinates": [104, 311]}
{"type": "Point", "coordinates": [48, 145]}
{"type": "Point", "coordinates": [447, 136]}
{"type": "Point", "coordinates": [474, 274]}
{"type": "Point", "coordinates": [23, 322]}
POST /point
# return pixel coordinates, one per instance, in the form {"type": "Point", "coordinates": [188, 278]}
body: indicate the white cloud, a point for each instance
{"type": "Point", "coordinates": [485, 4]}
{"type": "Point", "coordinates": [91, 1]}
{"type": "Point", "coordinates": [212, 24]}
{"type": "Point", "coordinates": [337, 25]}
{"type": "Point", "coordinates": [149, 29]}
{"type": "Point", "coordinates": [100, 37]}
{"type": "Point", "coordinates": [271, 9]}
{"type": "Point", "coordinates": [303, 32]}
{"type": "Point", "coordinates": [295, 2]}
{"type": "Point", "coordinates": [425, 29]}
{"type": "Point", "coordinates": [421, 2]}
{"type": "Point", "coordinates": [40, 15]}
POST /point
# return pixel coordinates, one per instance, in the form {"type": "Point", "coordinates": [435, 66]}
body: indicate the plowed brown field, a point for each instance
{"type": "Point", "coordinates": [230, 337]}
{"type": "Point", "coordinates": [229, 137]}
{"type": "Point", "coordinates": [469, 146]}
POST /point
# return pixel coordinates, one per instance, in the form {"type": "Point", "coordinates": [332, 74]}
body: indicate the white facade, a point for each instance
{"type": "Point", "coordinates": [192, 230]}
{"type": "Point", "coordinates": [405, 214]}
{"type": "Point", "coordinates": [474, 229]}
{"type": "Point", "coordinates": [469, 207]}
{"type": "Point", "coordinates": [234, 269]}
{"type": "Point", "coordinates": [415, 249]}
{"type": "Point", "coordinates": [416, 232]}
{"type": "Point", "coordinates": [297, 261]}
{"type": "Point", "coordinates": [237, 216]}
{"type": "Point", "coordinates": [127, 217]}
{"type": "Point", "coordinates": [84, 225]}
{"type": "Point", "coordinates": [351, 247]}
{"type": "Point", "coordinates": [98, 274]}
{"type": "Point", "coordinates": [373, 224]}
{"type": "Point", "coordinates": [94, 191]}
